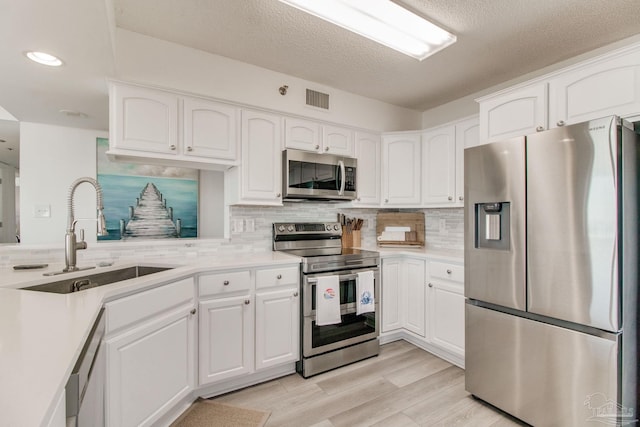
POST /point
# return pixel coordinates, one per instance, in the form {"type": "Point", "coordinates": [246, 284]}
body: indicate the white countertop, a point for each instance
{"type": "Point", "coordinates": [42, 334]}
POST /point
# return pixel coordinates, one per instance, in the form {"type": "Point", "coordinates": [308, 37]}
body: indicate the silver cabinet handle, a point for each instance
{"type": "Point", "coordinates": [561, 123]}
{"type": "Point", "coordinates": [539, 129]}
{"type": "Point", "coordinates": [277, 195]}
{"type": "Point", "coordinates": [448, 271]}
{"type": "Point", "coordinates": [295, 294]}
{"type": "Point", "coordinates": [279, 276]}
{"type": "Point", "coordinates": [247, 301]}
{"type": "Point", "coordinates": [225, 283]}
{"type": "Point", "coordinates": [431, 285]}
{"type": "Point", "coordinates": [326, 148]}
{"type": "Point", "coordinates": [172, 147]}
{"type": "Point", "coordinates": [386, 200]}
{"type": "Point", "coordinates": [193, 311]}
{"type": "Point", "coordinates": [450, 198]}
{"type": "Point", "coordinates": [317, 147]}
{"type": "Point", "coordinates": [461, 198]}
{"type": "Point", "coordinates": [189, 148]}
{"type": "Point", "coordinates": [358, 199]}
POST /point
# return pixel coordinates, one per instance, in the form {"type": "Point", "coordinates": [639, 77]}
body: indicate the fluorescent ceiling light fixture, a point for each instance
{"type": "Point", "coordinates": [44, 58]}
{"type": "Point", "coordinates": [381, 21]}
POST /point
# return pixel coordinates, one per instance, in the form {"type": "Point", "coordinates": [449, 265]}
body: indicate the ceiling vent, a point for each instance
{"type": "Point", "coordinates": [317, 99]}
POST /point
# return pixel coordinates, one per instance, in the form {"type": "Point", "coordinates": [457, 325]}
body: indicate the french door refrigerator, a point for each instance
{"type": "Point", "coordinates": [551, 274]}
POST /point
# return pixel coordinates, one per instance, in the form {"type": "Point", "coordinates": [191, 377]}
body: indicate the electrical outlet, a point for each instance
{"type": "Point", "coordinates": [249, 225]}
{"type": "Point", "coordinates": [443, 225]}
{"type": "Point", "coordinates": [237, 226]}
{"type": "Point", "coordinates": [42, 211]}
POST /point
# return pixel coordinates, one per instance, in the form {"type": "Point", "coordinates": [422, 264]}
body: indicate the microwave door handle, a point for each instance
{"type": "Point", "coordinates": [342, 177]}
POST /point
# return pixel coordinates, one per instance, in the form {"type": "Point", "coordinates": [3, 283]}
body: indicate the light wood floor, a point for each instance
{"type": "Point", "coordinates": [404, 386]}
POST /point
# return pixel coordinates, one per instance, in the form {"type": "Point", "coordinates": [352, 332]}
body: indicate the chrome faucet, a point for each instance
{"type": "Point", "coordinates": [71, 244]}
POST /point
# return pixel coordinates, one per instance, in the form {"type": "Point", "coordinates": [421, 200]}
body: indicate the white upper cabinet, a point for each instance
{"type": "Point", "coordinates": [302, 134]}
{"type": "Point", "coordinates": [439, 166]}
{"type": "Point", "coordinates": [312, 136]}
{"type": "Point", "coordinates": [337, 140]}
{"type": "Point", "coordinates": [368, 181]}
{"type": "Point", "coordinates": [467, 136]}
{"type": "Point", "coordinates": [401, 174]}
{"type": "Point", "coordinates": [145, 123]}
{"type": "Point", "coordinates": [514, 113]}
{"type": "Point", "coordinates": [602, 86]}
{"type": "Point", "coordinates": [210, 129]}
{"type": "Point", "coordinates": [258, 180]}
{"type": "Point", "coordinates": [596, 90]}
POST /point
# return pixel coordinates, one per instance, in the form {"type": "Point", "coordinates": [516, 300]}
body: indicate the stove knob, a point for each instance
{"type": "Point", "coordinates": [290, 229]}
{"type": "Point", "coordinates": [328, 227]}
{"type": "Point", "coordinates": [281, 228]}
{"type": "Point", "coordinates": [336, 227]}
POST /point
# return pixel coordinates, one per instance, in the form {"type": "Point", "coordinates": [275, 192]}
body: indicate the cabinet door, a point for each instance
{"type": "Point", "coordinates": [438, 166]}
{"type": "Point", "coordinates": [401, 169]}
{"type": "Point", "coordinates": [416, 296]}
{"type": "Point", "coordinates": [150, 369]}
{"type": "Point", "coordinates": [596, 90]}
{"type": "Point", "coordinates": [368, 153]}
{"type": "Point", "coordinates": [209, 129]}
{"type": "Point", "coordinates": [302, 135]}
{"type": "Point", "coordinates": [226, 338]}
{"type": "Point", "coordinates": [337, 140]}
{"type": "Point", "coordinates": [392, 294]}
{"type": "Point", "coordinates": [467, 136]}
{"type": "Point", "coordinates": [143, 119]}
{"type": "Point", "coordinates": [446, 315]}
{"type": "Point", "coordinates": [277, 327]}
{"type": "Point", "coordinates": [515, 113]}
{"type": "Point", "coordinates": [261, 157]}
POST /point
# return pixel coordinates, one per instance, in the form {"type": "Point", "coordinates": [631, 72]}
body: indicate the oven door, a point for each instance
{"type": "Point", "coordinates": [352, 329]}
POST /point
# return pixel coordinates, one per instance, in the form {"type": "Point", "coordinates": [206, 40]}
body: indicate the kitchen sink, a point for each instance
{"type": "Point", "coordinates": [81, 283]}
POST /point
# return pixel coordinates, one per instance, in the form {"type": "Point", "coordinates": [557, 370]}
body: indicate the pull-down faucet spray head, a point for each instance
{"type": "Point", "coordinates": [71, 222]}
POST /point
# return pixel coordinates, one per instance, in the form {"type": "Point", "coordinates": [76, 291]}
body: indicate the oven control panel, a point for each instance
{"type": "Point", "coordinates": [302, 228]}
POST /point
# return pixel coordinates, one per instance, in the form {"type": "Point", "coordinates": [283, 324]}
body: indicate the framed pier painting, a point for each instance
{"type": "Point", "coordinates": [147, 201]}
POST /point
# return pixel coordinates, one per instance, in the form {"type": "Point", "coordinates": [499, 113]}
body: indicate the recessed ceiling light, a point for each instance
{"type": "Point", "coordinates": [44, 58]}
{"type": "Point", "coordinates": [382, 21]}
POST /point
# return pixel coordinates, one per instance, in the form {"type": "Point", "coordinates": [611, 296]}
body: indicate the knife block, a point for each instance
{"type": "Point", "coordinates": [350, 239]}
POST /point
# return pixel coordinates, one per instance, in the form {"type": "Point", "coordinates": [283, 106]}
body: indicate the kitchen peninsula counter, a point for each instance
{"type": "Point", "coordinates": [42, 334]}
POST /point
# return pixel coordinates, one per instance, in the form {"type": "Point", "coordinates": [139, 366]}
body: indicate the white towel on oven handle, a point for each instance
{"type": "Point", "coordinates": [364, 291]}
{"type": "Point", "coordinates": [328, 300]}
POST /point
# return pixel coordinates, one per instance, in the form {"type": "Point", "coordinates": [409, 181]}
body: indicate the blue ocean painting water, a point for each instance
{"type": "Point", "coordinates": [121, 191]}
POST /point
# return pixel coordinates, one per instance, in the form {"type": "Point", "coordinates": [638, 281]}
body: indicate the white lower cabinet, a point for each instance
{"type": "Point", "coordinates": [226, 338]}
{"type": "Point", "coordinates": [150, 359]}
{"type": "Point", "coordinates": [423, 301]}
{"type": "Point", "coordinates": [249, 320]}
{"type": "Point", "coordinates": [277, 327]}
{"type": "Point", "coordinates": [403, 295]}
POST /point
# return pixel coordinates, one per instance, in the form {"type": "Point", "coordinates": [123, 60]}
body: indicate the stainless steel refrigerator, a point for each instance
{"type": "Point", "coordinates": [551, 274]}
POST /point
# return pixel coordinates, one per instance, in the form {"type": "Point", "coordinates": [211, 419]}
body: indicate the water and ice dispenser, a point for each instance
{"type": "Point", "coordinates": [492, 225]}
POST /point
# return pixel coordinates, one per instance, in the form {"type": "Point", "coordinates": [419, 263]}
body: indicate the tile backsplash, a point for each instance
{"type": "Point", "coordinates": [444, 230]}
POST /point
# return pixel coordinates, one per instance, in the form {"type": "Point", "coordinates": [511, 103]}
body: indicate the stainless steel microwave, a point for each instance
{"type": "Point", "coordinates": [317, 176]}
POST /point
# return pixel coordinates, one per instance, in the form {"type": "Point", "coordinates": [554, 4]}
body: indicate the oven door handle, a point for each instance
{"type": "Point", "coordinates": [340, 278]}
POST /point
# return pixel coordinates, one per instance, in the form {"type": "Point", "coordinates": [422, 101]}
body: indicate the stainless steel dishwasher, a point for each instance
{"type": "Point", "coordinates": [85, 387]}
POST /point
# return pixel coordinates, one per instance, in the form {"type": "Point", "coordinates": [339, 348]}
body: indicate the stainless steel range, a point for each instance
{"type": "Point", "coordinates": [354, 336]}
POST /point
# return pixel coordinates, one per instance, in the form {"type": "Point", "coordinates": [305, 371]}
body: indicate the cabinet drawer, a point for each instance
{"type": "Point", "coordinates": [223, 283]}
{"type": "Point", "coordinates": [447, 271]}
{"type": "Point", "coordinates": [134, 308]}
{"type": "Point", "coordinates": [277, 277]}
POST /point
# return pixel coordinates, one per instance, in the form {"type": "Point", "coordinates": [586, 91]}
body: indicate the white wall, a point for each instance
{"type": "Point", "coordinates": [51, 158]}
{"type": "Point", "coordinates": [152, 61]}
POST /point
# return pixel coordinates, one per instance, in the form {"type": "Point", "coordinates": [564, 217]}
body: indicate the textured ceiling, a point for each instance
{"type": "Point", "coordinates": [497, 40]}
